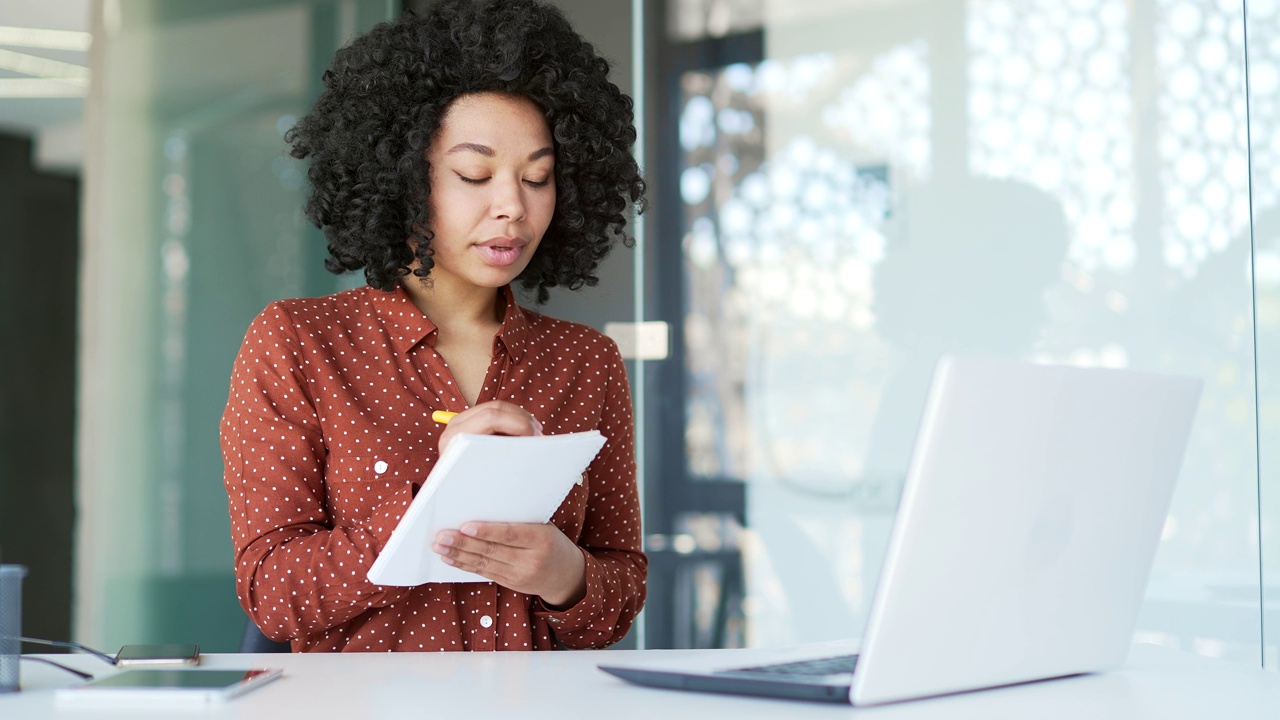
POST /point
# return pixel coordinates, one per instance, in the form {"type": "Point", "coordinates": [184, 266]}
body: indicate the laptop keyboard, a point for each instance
{"type": "Point", "coordinates": [817, 666]}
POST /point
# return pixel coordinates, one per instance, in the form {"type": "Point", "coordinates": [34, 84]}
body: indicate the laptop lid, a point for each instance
{"type": "Point", "coordinates": [1028, 522]}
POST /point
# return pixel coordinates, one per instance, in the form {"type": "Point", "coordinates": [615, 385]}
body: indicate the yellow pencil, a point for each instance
{"type": "Point", "coordinates": [442, 416]}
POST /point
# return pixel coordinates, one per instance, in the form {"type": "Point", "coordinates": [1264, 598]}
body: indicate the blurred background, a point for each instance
{"type": "Point", "coordinates": [842, 191]}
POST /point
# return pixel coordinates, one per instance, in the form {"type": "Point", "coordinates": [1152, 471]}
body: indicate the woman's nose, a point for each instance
{"type": "Point", "coordinates": [508, 201]}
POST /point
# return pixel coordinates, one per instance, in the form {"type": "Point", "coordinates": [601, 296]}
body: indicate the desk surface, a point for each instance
{"type": "Point", "coordinates": [1156, 683]}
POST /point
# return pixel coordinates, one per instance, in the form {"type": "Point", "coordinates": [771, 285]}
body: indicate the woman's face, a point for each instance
{"type": "Point", "coordinates": [493, 190]}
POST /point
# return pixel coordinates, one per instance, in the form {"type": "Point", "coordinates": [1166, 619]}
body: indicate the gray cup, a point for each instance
{"type": "Point", "coordinates": [10, 625]}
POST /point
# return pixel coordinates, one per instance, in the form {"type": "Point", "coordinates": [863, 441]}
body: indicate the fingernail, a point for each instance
{"type": "Point", "coordinates": [469, 530]}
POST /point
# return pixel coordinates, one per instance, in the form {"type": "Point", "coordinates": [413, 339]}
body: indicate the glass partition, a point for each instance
{"type": "Point", "coordinates": [859, 187]}
{"type": "Point", "coordinates": [1263, 33]}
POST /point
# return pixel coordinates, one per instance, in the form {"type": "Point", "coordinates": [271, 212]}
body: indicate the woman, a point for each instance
{"type": "Point", "coordinates": [451, 155]}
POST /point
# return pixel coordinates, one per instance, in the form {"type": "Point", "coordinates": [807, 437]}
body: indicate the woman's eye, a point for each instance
{"type": "Point", "coordinates": [471, 180]}
{"type": "Point", "coordinates": [538, 183]}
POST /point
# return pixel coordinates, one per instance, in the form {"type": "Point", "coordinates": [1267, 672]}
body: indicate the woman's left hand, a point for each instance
{"type": "Point", "coordinates": [535, 559]}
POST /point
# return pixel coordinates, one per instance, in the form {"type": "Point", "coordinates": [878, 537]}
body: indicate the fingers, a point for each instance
{"type": "Point", "coordinates": [475, 556]}
{"type": "Point", "coordinates": [517, 535]}
{"type": "Point", "coordinates": [496, 417]}
{"type": "Point", "coordinates": [517, 555]}
{"type": "Point", "coordinates": [498, 541]}
{"type": "Point", "coordinates": [528, 558]}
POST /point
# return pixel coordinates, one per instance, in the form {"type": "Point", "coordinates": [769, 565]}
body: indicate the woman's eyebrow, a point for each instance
{"type": "Point", "coordinates": [489, 152]}
{"type": "Point", "coordinates": [473, 147]}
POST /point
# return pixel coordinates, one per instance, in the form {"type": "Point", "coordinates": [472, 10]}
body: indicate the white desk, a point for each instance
{"type": "Point", "coordinates": [1157, 683]}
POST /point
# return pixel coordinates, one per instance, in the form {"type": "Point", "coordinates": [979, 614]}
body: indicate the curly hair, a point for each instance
{"type": "Point", "coordinates": [381, 106]}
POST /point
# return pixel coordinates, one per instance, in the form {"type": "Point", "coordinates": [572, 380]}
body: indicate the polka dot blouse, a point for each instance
{"type": "Point", "coordinates": [327, 434]}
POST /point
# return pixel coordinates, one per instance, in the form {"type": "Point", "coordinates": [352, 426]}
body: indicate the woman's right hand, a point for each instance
{"type": "Point", "coordinates": [496, 417]}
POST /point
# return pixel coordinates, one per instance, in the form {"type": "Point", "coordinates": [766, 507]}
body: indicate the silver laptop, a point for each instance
{"type": "Point", "coordinates": [1029, 519]}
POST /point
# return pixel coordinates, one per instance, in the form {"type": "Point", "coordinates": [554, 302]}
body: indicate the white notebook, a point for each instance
{"type": "Point", "coordinates": [486, 478]}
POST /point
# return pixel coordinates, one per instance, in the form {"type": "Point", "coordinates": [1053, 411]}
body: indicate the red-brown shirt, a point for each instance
{"type": "Point", "coordinates": [328, 430]}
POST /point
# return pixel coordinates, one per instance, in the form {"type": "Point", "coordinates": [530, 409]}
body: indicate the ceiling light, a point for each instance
{"type": "Point", "coordinates": [43, 67]}
{"type": "Point", "coordinates": [39, 88]}
{"type": "Point", "coordinates": [45, 39]}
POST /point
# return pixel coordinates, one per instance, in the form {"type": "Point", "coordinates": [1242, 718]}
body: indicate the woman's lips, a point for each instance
{"type": "Point", "coordinates": [501, 252]}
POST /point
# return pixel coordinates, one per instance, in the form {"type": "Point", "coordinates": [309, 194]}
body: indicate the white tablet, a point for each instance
{"type": "Point", "coordinates": [166, 687]}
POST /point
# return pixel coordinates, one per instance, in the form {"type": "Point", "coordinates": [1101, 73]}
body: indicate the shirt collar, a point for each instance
{"type": "Point", "coordinates": [409, 326]}
{"type": "Point", "coordinates": [515, 328]}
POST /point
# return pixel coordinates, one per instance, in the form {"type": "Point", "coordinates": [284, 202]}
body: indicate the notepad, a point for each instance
{"type": "Point", "coordinates": [486, 478]}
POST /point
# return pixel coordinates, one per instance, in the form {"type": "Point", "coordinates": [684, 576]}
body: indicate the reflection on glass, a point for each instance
{"type": "Point", "coordinates": [1053, 109]}
{"type": "Point", "coordinates": [779, 261]}
{"type": "Point", "coordinates": [693, 19]}
{"type": "Point", "coordinates": [769, 244]}
{"type": "Point", "coordinates": [1203, 155]}
{"type": "Point", "coordinates": [1264, 159]}
{"type": "Point", "coordinates": [1101, 218]}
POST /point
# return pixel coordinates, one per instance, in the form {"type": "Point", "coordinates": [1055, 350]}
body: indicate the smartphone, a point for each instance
{"type": "Point", "coordinates": [159, 688]}
{"type": "Point", "coordinates": [158, 655]}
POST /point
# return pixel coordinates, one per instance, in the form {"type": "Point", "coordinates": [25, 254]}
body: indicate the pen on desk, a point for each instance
{"type": "Point", "coordinates": [442, 416]}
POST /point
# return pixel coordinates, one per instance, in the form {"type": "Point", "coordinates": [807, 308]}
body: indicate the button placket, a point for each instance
{"type": "Point", "coordinates": [488, 617]}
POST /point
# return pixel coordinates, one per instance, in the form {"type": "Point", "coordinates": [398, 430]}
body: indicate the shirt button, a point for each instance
{"type": "Point", "coordinates": [380, 467]}
{"type": "Point", "coordinates": [486, 621]}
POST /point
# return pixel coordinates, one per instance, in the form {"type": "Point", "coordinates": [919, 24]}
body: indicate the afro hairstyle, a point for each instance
{"type": "Point", "coordinates": [381, 106]}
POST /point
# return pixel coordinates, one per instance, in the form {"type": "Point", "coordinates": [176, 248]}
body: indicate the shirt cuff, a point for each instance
{"type": "Point", "coordinates": [578, 616]}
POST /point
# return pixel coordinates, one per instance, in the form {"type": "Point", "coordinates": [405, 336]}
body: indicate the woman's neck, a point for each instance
{"type": "Point", "coordinates": [466, 320]}
{"type": "Point", "coordinates": [456, 307]}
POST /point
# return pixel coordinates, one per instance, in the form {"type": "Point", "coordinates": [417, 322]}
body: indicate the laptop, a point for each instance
{"type": "Point", "coordinates": [1029, 519]}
